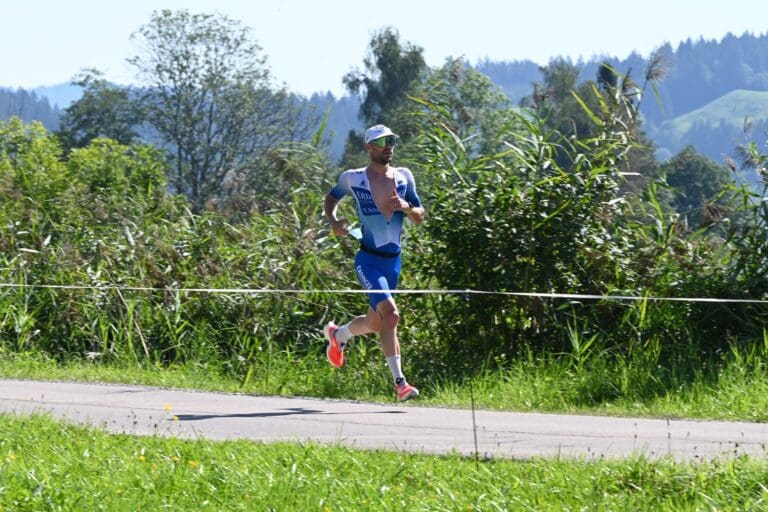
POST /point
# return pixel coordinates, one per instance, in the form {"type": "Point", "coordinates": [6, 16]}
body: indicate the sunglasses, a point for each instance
{"type": "Point", "coordinates": [389, 140]}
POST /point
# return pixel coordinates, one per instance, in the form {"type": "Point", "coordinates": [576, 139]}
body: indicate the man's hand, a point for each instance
{"type": "Point", "coordinates": [340, 227]}
{"type": "Point", "coordinates": [397, 202]}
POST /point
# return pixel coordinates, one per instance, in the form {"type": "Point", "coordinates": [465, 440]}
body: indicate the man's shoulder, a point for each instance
{"type": "Point", "coordinates": [354, 172]}
{"type": "Point", "coordinates": [404, 171]}
{"type": "Point", "coordinates": [353, 175]}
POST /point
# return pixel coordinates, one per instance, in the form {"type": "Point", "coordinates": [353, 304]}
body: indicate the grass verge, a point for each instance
{"type": "Point", "coordinates": [48, 465]}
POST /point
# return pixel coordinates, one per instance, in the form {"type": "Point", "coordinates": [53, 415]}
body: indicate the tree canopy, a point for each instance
{"type": "Point", "coordinates": [391, 67]}
{"type": "Point", "coordinates": [104, 110]}
{"type": "Point", "coordinates": [206, 93]}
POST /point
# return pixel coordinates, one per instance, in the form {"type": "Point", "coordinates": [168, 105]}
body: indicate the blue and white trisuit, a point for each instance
{"type": "Point", "coordinates": [377, 263]}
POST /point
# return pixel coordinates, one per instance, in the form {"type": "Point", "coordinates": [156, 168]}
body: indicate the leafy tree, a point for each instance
{"type": "Point", "coordinates": [124, 171]}
{"type": "Point", "coordinates": [354, 156]}
{"type": "Point", "coordinates": [104, 110]}
{"type": "Point", "coordinates": [30, 167]}
{"type": "Point", "coordinates": [207, 94]}
{"type": "Point", "coordinates": [391, 69]}
{"type": "Point", "coordinates": [579, 111]}
{"type": "Point", "coordinates": [558, 100]}
{"type": "Point", "coordinates": [477, 111]}
{"type": "Point", "coordinates": [698, 185]}
{"type": "Point", "coordinates": [607, 78]}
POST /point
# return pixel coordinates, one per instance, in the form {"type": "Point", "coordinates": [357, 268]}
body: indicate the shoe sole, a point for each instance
{"type": "Point", "coordinates": [411, 394]}
{"type": "Point", "coordinates": [327, 332]}
{"type": "Point", "coordinates": [327, 355]}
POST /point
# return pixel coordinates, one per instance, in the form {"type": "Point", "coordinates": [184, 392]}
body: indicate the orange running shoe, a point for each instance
{"type": "Point", "coordinates": [334, 351]}
{"type": "Point", "coordinates": [405, 392]}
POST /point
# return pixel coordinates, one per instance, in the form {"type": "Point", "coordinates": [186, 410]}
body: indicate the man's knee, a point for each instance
{"type": "Point", "coordinates": [390, 317]}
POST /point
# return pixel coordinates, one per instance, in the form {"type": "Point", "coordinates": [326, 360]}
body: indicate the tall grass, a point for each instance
{"type": "Point", "coordinates": [730, 386]}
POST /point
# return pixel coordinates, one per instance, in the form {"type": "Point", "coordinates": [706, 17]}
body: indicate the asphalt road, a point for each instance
{"type": "Point", "coordinates": [405, 427]}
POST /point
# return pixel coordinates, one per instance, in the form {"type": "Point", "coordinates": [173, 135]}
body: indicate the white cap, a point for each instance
{"type": "Point", "coordinates": [377, 131]}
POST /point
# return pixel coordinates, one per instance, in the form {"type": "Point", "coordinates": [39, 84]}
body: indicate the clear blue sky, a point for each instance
{"type": "Point", "coordinates": [310, 45]}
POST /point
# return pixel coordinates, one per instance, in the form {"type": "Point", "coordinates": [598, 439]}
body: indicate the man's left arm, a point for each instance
{"type": "Point", "coordinates": [415, 210]}
{"type": "Point", "coordinates": [415, 214]}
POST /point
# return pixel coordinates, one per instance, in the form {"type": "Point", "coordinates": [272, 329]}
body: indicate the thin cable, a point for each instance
{"type": "Point", "coordinates": [257, 291]}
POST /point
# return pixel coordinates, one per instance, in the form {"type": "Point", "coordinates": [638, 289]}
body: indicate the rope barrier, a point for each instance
{"type": "Point", "coordinates": [467, 291]}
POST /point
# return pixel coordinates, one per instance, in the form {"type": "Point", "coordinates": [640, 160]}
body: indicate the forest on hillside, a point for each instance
{"type": "Point", "coordinates": [28, 106]}
{"type": "Point", "coordinates": [699, 72]}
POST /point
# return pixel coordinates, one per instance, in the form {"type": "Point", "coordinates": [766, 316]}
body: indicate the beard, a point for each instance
{"type": "Point", "coordinates": [382, 159]}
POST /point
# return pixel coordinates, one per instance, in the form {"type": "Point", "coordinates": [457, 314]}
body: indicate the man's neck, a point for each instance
{"type": "Point", "coordinates": [377, 168]}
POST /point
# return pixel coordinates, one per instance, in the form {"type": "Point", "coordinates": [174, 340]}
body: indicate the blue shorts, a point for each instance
{"type": "Point", "coordinates": [377, 273]}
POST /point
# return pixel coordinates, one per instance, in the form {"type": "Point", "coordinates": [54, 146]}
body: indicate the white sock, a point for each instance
{"type": "Point", "coordinates": [343, 334]}
{"type": "Point", "coordinates": [397, 372]}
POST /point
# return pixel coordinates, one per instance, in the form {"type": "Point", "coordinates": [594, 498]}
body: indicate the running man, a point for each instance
{"type": "Point", "coordinates": [384, 196]}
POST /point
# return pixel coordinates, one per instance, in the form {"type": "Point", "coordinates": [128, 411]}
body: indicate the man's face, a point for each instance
{"type": "Point", "coordinates": [381, 150]}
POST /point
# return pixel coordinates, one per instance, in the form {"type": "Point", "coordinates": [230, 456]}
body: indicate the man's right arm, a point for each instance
{"type": "Point", "coordinates": [339, 226]}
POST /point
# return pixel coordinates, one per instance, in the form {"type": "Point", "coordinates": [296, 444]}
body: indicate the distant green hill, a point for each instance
{"type": "Point", "coordinates": [733, 109]}
{"type": "Point", "coordinates": [716, 128]}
